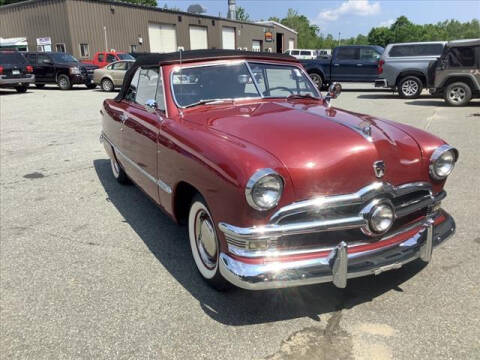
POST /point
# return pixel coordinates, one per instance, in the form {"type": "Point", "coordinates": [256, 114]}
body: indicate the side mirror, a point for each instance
{"type": "Point", "coordinates": [334, 90]}
{"type": "Point", "coordinates": [151, 106]}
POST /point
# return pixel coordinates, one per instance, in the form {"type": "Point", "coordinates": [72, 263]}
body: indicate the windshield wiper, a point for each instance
{"type": "Point", "coordinates": [208, 101]}
{"type": "Point", "coordinates": [299, 96]}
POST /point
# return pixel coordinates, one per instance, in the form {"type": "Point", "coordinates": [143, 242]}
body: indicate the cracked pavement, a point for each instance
{"type": "Point", "coordinates": [92, 269]}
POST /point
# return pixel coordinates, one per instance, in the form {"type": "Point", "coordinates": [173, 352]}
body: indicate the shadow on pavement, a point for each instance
{"type": "Point", "coordinates": [169, 243]}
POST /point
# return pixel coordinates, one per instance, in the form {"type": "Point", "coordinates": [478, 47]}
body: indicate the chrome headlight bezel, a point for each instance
{"type": "Point", "coordinates": [371, 210]}
{"type": "Point", "coordinates": [255, 179]}
{"type": "Point", "coordinates": [436, 156]}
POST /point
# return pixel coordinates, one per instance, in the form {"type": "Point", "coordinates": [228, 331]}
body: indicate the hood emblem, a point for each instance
{"type": "Point", "coordinates": [379, 168]}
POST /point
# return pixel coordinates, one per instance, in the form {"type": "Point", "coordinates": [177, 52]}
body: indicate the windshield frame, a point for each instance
{"type": "Point", "coordinates": [247, 64]}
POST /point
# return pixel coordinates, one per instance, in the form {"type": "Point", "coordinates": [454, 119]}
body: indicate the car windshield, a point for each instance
{"type": "Point", "coordinates": [11, 58]}
{"type": "Point", "coordinates": [202, 84]}
{"type": "Point", "coordinates": [124, 56]}
{"type": "Point", "coordinates": [63, 58]}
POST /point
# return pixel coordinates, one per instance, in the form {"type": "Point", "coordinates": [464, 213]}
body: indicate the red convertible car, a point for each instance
{"type": "Point", "coordinates": [277, 187]}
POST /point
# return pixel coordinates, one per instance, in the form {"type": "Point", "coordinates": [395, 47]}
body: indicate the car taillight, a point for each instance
{"type": "Point", "coordinates": [1, 70]}
{"type": "Point", "coordinates": [29, 69]}
{"type": "Point", "coordinates": [380, 66]}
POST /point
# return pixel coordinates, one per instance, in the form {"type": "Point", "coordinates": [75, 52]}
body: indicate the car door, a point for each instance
{"type": "Point", "coordinates": [367, 66]}
{"type": "Point", "coordinates": [142, 127]}
{"type": "Point", "coordinates": [344, 64]}
{"type": "Point", "coordinates": [118, 70]}
{"type": "Point", "coordinates": [45, 68]}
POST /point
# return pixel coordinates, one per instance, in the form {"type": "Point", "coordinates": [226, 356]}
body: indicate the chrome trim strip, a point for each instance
{"type": "Point", "coordinates": [364, 194]}
{"type": "Point", "coordinates": [158, 182]}
{"type": "Point", "coordinates": [338, 266]}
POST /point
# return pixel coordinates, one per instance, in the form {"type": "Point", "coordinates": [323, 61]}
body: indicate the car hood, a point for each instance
{"type": "Point", "coordinates": [325, 150]}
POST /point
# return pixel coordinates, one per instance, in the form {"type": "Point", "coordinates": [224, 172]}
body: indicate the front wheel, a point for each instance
{"type": "Point", "coordinates": [107, 85]}
{"type": "Point", "coordinates": [21, 89]}
{"type": "Point", "coordinates": [457, 94]}
{"type": "Point", "coordinates": [410, 87]}
{"type": "Point", "coordinates": [317, 79]}
{"type": "Point", "coordinates": [63, 82]}
{"type": "Point", "coordinates": [204, 243]}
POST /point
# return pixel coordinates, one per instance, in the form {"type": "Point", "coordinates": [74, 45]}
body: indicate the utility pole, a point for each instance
{"type": "Point", "coordinates": [339, 41]}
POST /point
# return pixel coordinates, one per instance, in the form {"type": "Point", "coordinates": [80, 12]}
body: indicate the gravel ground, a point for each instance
{"type": "Point", "coordinates": [91, 269]}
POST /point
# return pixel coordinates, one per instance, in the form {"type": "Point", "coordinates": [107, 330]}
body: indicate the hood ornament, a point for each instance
{"type": "Point", "coordinates": [379, 168]}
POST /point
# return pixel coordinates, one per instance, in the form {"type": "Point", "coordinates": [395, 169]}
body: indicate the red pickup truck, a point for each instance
{"type": "Point", "coordinates": [103, 58]}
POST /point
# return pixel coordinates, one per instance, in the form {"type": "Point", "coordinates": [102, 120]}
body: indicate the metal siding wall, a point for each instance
{"type": "Point", "coordinates": [81, 21]}
{"type": "Point", "coordinates": [46, 19]}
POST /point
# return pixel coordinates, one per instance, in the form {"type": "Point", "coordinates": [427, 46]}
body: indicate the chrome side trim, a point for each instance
{"type": "Point", "coordinates": [165, 187]}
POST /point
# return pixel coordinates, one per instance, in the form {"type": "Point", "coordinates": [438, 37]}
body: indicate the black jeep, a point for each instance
{"type": "Point", "coordinates": [61, 69]}
{"type": "Point", "coordinates": [456, 75]}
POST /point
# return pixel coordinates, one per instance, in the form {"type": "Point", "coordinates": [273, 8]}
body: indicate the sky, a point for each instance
{"type": "Point", "coordinates": [349, 17]}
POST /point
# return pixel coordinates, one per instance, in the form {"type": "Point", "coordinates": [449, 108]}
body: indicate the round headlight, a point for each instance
{"type": "Point", "coordinates": [380, 216]}
{"type": "Point", "coordinates": [442, 162]}
{"type": "Point", "coordinates": [264, 189]}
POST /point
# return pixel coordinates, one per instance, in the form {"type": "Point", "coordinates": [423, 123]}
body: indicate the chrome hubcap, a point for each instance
{"type": "Point", "coordinates": [410, 87]}
{"type": "Point", "coordinates": [63, 82]}
{"type": "Point", "coordinates": [316, 79]}
{"type": "Point", "coordinates": [206, 239]}
{"type": "Point", "coordinates": [457, 94]}
{"type": "Point", "coordinates": [115, 168]}
{"type": "Point", "coordinates": [107, 86]}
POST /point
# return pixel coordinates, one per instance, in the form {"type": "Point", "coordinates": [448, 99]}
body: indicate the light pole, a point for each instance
{"type": "Point", "coordinates": [339, 43]}
{"type": "Point", "coordinates": [105, 33]}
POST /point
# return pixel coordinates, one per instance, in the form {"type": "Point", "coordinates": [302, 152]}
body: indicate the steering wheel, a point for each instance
{"type": "Point", "coordinates": [281, 88]}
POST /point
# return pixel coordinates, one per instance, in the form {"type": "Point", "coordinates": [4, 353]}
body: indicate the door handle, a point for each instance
{"type": "Point", "coordinates": [359, 64]}
{"type": "Point", "coordinates": [336, 64]}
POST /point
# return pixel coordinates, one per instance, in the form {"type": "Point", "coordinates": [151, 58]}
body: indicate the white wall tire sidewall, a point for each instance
{"type": "Point", "coordinates": [194, 209]}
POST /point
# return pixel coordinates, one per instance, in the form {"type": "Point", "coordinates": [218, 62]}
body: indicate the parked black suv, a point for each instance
{"type": "Point", "coordinates": [61, 69]}
{"type": "Point", "coordinates": [15, 71]}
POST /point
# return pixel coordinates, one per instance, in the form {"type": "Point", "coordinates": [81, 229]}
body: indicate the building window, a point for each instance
{"type": "Point", "coordinates": [84, 51]}
{"type": "Point", "coordinates": [133, 48]}
{"type": "Point", "coordinates": [60, 48]}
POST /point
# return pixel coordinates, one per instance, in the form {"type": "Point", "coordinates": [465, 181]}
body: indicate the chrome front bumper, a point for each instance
{"type": "Point", "coordinates": [341, 263]}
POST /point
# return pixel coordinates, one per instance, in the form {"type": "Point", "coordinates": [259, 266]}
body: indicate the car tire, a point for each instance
{"type": "Point", "coordinates": [457, 94]}
{"type": "Point", "coordinates": [118, 173]}
{"type": "Point", "coordinates": [317, 79]}
{"type": "Point", "coordinates": [63, 82]}
{"type": "Point", "coordinates": [107, 85]}
{"type": "Point", "coordinates": [21, 89]}
{"type": "Point", "coordinates": [91, 86]}
{"type": "Point", "coordinates": [39, 86]}
{"type": "Point", "coordinates": [206, 253]}
{"type": "Point", "coordinates": [410, 87]}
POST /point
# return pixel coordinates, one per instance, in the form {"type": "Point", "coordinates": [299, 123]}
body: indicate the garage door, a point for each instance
{"type": "Point", "coordinates": [291, 44]}
{"type": "Point", "coordinates": [228, 38]}
{"type": "Point", "coordinates": [163, 38]}
{"type": "Point", "coordinates": [198, 37]}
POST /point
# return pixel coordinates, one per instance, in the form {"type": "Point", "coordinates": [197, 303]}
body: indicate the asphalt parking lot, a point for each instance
{"type": "Point", "coordinates": [92, 269]}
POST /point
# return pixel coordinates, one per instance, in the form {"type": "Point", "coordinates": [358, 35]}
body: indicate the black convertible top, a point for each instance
{"type": "Point", "coordinates": [157, 59]}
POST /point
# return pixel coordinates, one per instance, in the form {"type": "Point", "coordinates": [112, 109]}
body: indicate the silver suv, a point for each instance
{"type": "Point", "coordinates": [403, 67]}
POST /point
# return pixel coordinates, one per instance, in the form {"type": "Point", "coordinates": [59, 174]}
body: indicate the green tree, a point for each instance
{"type": "Point", "coordinates": [307, 33]}
{"type": "Point", "coordinates": [6, 2]}
{"type": "Point", "coordinates": [242, 14]}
